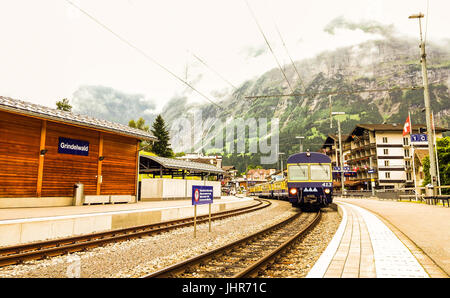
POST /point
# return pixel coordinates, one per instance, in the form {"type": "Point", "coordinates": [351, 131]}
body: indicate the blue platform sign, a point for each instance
{"type": "Point", "coordinates": [71, 146]}
{"type": "Point", "coordinates": [419, 138]}
{"type": "Point", "coordinates": [202, 195]}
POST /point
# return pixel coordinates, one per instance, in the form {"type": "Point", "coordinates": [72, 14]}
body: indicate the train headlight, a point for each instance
{"type": "Point", "coordinates": [327, 191]}
{"type": "Point", "coordinates": [293, 191]}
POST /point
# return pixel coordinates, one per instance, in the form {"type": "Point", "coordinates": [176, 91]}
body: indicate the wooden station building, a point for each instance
{"type": "Point", "coordinates": [44, 152]}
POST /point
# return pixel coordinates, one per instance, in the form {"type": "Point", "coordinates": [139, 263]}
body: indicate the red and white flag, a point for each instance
{"type": "Point", "coordinates": [407, 127]}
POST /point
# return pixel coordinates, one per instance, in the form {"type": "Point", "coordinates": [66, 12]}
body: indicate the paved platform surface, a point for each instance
{"type": "Point", "coordinates": [44, 212]}
{"type": "Point", "coordinates": [370, 245]}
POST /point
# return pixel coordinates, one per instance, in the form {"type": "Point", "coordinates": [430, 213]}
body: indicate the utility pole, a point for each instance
{"type": "Point", "coordinates": [282, 166]}
{"type": "Point", "coordinates": [340, 150]}
{"type": "Point", "coordinates": [301, 145]}
{"type": "Point", "coordinates": [372, 180]}
{"type": "Point", "coordinates": [426, 93]}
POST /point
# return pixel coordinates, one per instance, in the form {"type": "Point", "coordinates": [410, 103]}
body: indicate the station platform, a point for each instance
{"type": "Point", "coordinates": [368, 245]}
{"type": "Point", "coordinates": [25, 225]}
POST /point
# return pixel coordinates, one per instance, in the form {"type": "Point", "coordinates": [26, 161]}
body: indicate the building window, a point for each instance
{"type": "Point", "coordinates": [406, 152]}
{"type": "Point", "coordinates": [408, 176]}
{"type": "Point", "coordinates": [386, 151]}
{"type": "Point", "coordinates": [386, 163]}
{"type": "Point", "coordinates": [387, 175]}
{"type": "Point", "coordinates": [407, 163]}
{"type": "Point", "coordinates": [405, 141]}
{"type": "Point", "coordinates": [385, 140]}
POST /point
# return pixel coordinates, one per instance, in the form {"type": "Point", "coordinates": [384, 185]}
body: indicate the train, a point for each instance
{"type": "Point", "coordinates": [308, 185]}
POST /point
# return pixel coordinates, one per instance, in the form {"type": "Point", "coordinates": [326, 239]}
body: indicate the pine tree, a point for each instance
{"type": "Point", "coordinates": [162, 146]}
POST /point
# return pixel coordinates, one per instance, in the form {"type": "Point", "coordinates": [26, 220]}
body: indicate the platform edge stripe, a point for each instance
{"type": "Point", "coordinates": [320, 267]}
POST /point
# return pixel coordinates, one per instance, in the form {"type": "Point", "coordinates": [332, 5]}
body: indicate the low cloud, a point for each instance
{"type": "Point", "coordinates": [254, 51]}
{"type": "Point", "coordinates": [113, 105]}
{"type": "Point", "coordinates": [365, 26]}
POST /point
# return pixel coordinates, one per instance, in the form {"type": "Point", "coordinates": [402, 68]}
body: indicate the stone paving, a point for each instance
{"type": "Point", "coordinates": [364, 247]}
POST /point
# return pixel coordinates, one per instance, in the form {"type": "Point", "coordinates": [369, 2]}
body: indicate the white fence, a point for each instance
{"type": "Point", "coordinates": [173, 189]}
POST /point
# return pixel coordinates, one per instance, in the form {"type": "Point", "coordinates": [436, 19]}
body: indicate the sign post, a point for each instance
{"type": "Point", "coordinates": [201, 195]}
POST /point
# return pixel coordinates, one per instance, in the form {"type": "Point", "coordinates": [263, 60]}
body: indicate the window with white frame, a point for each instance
{"type": "Point", "coordinates": [408, 176]}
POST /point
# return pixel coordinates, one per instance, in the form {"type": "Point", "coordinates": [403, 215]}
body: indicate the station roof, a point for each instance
{"type": "Point", "coordinates": [35, 110]}
{"type": "Point", "coordinates": [151, 163]}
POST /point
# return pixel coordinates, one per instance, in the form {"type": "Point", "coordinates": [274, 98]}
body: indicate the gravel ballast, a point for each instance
{"type": "Point", "coordinates": [138, 257]}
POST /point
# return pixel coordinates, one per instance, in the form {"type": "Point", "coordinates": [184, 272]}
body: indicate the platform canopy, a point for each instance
{"type": "Point", "coordinates": [160, 166]}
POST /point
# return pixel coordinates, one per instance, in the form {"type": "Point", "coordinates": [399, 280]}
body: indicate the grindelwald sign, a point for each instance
{"type": "Point", "coordinates": [71, 146]}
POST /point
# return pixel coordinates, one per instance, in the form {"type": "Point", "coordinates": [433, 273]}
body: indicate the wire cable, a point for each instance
{"type": "Point", "coordinates": [287, 52]}
{"type": "Point", "coordinates": [335, 92]}
{"type": "Point", "coordinates": [268, 45]}
{"type": "Point", "coordinates": [141, 52]}
{"type": "Point", "coordinates": [210, 68]}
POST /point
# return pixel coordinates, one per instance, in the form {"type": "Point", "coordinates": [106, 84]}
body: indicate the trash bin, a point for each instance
{"type": "Point", "coordinates": [429, 191]}
{"type": "Point", "coordinates": [78, 194]}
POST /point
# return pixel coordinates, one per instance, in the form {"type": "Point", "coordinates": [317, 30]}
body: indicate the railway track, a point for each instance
{"type": "Point", "coordinates": [34, 251]}
{"type": "Point", "coordinates": [247, 256]}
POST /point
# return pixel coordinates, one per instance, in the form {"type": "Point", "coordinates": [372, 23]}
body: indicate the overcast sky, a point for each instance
{"type": "Point", "coordinates": [49, 49]}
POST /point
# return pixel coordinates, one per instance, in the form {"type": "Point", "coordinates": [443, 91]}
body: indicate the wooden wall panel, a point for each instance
{"type": "Point", "coordinates": [19, 160]}
{"type": "Point", "coordinates": [19, 155]}
{"type": "Point", "coordinates": [62, 171]}
{"type": "Point", "coordinates": [119, 165]}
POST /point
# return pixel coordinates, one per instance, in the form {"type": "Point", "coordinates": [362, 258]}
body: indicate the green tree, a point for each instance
{"type": "Point", "coordinates": [140, 124]}
{"type": "Point", "coordinates": [160, 131]}
{"type": "Point", "coordinates": [443, 149]}
{"type": "Point", "coordinates": [64, 105]}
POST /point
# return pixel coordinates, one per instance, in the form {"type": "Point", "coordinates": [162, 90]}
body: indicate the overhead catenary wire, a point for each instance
{"type": "Point", "coordinates": [334, 92]}
{"type": "Point", "coordinates": [214, 71]}
{"type": "Point", "coordinates": [287, 52]}
{"type": "Point", "coordinates": [141, 52]}
{"type": "Point", "coordinates": [268, 44]}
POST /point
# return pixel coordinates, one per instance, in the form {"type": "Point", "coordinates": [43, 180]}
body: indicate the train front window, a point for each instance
{"type": "Point", "coordinates": [321, 172]}
{"type": "Point", "coordinates": [298, 172]}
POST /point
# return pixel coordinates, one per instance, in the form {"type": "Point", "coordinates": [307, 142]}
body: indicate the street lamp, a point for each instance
{"type": "Point", "coordinates": [426, 93]}
{"type": "Point", "coordinates": [301, 145]}
{"type": "Point", "coordinates": [340, 149]}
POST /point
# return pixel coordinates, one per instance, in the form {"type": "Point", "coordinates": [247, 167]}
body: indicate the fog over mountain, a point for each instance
{"type": "Point", "coordinates": [386, 61]}
{"type": "Point", "coordinates": [113, 105]}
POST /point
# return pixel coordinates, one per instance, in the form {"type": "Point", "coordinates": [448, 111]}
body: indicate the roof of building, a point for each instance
{"type": "Point", "coordinates": [228, 168]}
{"type": "Point", "coordinates": [421, 154]}
{"type": "Point", "coordinates": [331, 139]}
{"type": "Point", "coordinates": [395, 127]}
{"type": "Point", "coordinates": [35, 110]}
{"type": "Point", "coordinates": [172, 163]}
{"type": "Point", "coordinates": [389, 127]}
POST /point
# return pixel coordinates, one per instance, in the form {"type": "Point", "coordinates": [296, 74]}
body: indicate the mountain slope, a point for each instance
{"type": "Point", "coordinates": [376, 64]}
